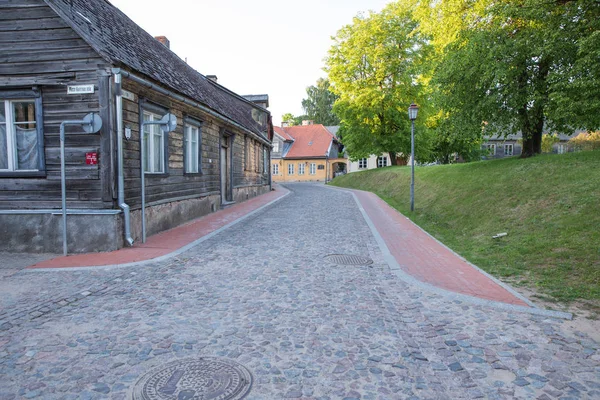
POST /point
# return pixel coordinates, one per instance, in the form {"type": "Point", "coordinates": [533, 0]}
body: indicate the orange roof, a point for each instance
{"type": "Point", "coordinates": [310, 141]}
{"type": "Point", "coordinates": [281, 132]}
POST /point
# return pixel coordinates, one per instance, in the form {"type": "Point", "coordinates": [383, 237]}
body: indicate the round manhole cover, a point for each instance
{"type": "Point", "coordinates": [348, 259]}
{"type": "Point", "coordinates": [195, 379]}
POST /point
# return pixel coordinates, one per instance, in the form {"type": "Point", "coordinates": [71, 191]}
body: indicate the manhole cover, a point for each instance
{"type": "Point", "coordinates": [348, 259]}
{"type": "Point", "coordinates": [195, 379]}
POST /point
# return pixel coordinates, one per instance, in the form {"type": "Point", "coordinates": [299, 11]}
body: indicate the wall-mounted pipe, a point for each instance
{"type": "Point", "coordinates": [121, 180]}
{"type": "Point", "coordinates": [184, 100]}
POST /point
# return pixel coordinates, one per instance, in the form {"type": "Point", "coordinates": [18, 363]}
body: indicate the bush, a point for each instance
{"type": "Point", "coordinates": [586, 141]}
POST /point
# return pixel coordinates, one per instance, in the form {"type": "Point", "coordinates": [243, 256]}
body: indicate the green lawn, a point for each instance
{"type": "Point", "coordinates": [549, 205]}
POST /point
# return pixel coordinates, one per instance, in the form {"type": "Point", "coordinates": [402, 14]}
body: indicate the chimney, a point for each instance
{"type": "Point", "coordinates": [285, 124]}
{"type": "Point", "coordinates": [212, 78]}
{"type": "Point", "coordinates": [164, 41]}
{"type": "Point", "coordinates": [307, 122]}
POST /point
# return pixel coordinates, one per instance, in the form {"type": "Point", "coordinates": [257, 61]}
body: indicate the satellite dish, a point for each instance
{"type": "Point", "coordinates": [92, 123]}
{"type": "Point", "coordinates": [168, 123]}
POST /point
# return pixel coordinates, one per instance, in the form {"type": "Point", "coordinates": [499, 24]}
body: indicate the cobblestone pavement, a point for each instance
{"type": "Point", "coordinates": [263, 294]}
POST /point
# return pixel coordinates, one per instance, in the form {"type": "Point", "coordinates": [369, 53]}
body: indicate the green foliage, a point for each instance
{"type": "Point", "coordinates": [375, 69]}
{"type": "Point", "coordinates": [516, 65]}
{"type": "Point", "coordinates": [289, 118]}
{"type": "Point", "coordinates": [547, 204]}
{"type": "Point", "coordinates": [318, 106]}
{"type": "Point", "coordinates": [548, 140]}
{"type": "Point", "coordinates": [586, 141]}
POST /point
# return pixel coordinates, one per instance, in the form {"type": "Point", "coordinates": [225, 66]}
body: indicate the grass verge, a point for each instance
{"type": "Point", "coordinates": [549, 205]}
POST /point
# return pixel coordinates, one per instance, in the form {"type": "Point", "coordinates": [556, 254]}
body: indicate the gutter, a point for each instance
{"type": "Point", "coordinates": [178, 97]}
{"type": "Point", "coordinates": [121, 181]}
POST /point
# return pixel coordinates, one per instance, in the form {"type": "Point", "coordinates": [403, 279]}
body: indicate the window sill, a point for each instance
{"type": "Point", "coordinates": [24, 174]}
{"type": "Point", "coordinates": [193, 173]}
{"type": "Point", "coordinates": [156, 174]}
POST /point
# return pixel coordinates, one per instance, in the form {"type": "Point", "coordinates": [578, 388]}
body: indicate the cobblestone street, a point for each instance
{"type": "Point", "coordinates": [264, 294]}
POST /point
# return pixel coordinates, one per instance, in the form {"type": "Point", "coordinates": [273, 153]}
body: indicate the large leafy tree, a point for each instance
{"type": "Point", "coordinates": [375, 66]}
{"type": "Point", "coordinates": [318, 106]}
{"type": "Point", "coordinates": [515, 65]}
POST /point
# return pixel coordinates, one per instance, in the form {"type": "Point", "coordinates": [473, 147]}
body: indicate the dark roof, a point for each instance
{"type": "Point", "coordinates": [257, 98]}
{"type": "Point", "coordinates": [121, 41]}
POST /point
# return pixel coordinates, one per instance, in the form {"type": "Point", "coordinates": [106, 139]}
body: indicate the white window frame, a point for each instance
{"type": "Point", "coordinates": [275, 169]}
{"type": "Point", "coordinates": [381, 161]}
{"type": "Point", "coordinates": [153, 131]}
{"type": "Point", "coordinates": [313, 169]}
{"type": "Point", "coordinates": [562, 148]}
{"type": "Point", "coordinates": [301, 169]}
{"type": "Point", "coordinates": [509, 146]}
{"type": "Point", "coordinates": [265, 161]}
{"type": "Point", "coordinates": [290, 169]}
{"type": "Point", "coordinates": [192, 130]}
{"type": "Point", "coordinates": [275, 146]}
{"type": "Point", "coordinates": [363, 163]}
{"type": "Point", "coordinates": [11, 133]}
{"type": "Point", "coordinates": [491, 148]}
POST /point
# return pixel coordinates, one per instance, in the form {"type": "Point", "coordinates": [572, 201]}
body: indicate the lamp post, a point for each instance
{"type": "Point", "coordinates": [412, 115]}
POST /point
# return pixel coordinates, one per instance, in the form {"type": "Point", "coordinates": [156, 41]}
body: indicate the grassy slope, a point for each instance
{"type": "Point", "coordinates": [549, 205]}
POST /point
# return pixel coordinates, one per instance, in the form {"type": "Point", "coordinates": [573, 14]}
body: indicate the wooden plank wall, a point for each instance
{"type": "Point", "coordinates": [175, 185]}
{"type": "Point", "coordinates": [37, 48]}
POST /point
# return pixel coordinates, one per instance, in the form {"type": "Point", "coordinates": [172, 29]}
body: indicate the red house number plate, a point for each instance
{"type": "Point", "coordinates": [91, 158]}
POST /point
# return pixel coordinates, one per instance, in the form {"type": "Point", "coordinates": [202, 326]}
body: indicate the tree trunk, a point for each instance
{"type": "Point", "coordinates": [393, 160]}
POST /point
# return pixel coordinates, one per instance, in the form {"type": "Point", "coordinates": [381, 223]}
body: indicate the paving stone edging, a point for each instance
{"type": "Point", "coordinates": [169, 255]}
{"type": "Point", "coordinates": [397, 270]}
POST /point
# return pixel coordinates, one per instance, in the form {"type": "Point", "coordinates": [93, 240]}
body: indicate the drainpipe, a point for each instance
{"type": "Point", "coordinates": [121, 181]}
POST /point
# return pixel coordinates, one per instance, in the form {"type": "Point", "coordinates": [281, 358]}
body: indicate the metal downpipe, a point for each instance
{"type": "Point", "coordinates": [121, 180]}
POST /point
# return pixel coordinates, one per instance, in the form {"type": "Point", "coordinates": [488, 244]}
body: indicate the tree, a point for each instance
{"type": "Point", "coordinates": [319, 104]}
{"type": "Point", "coordinates": [374, 68]}
{"type": "Point", "coordinates": [512, 65]}
{"type": "Point", "coordinates": [289, 118]}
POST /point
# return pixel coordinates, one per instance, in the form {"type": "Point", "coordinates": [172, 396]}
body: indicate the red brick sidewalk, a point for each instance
{"type": "Point", "coordinates": [421, 256]}
{"type": "Point", "coordinates": [166, 242]}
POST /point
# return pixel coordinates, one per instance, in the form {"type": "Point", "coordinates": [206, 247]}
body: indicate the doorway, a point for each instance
{"type": "Point", "coordinates": [226, 168]}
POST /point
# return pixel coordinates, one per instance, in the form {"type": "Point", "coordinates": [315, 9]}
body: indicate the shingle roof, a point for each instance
{"type": "Point", "coordinates": [121, 41]}
{"type": "Point", "coordinates": [310, 141]}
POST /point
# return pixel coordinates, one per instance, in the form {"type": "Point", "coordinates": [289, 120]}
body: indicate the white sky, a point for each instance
{"type": "Point", "coordinates": [275, 47]}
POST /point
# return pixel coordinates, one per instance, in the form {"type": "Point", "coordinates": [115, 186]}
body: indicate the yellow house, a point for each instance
{"type": "Point", "coordinates": [304, 153]}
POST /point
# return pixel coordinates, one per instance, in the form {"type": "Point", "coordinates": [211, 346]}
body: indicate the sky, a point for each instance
{"type": "Point", "coordinates": [273, 47]}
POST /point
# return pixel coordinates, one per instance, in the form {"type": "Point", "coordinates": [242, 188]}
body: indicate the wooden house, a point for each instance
{"type": "Point", "coordinates": [62, 59]}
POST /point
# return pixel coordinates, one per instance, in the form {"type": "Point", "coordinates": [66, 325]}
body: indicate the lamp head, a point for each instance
{"type": "Point", "coordinates": [413, 110]}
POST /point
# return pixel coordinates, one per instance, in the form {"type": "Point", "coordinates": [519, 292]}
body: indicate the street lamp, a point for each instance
{"type": "Point", "coordinates": [412, 115]}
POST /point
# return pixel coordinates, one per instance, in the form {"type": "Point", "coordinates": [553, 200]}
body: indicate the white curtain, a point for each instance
{"type": "Point", "coordinates": [27, 148]}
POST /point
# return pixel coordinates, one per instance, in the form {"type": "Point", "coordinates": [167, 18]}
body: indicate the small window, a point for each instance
{"type": "Point", "coordinates": [20, 135]}
{"type": "Point", "coordinates": [381, 161]}
{"type": "Point", "coordinates": [362, 163]}
{"type": "Point", "coordinates": [192, 148]}
{"type": "Point", "coordinates": [246, 153]}
{"type": "Point", "coordinates": [313, 168]}
{"type": "Point", "coordinates": [562, 148]}
{"type": "Point", "coordinates": [275, 169]}
{"type": "Point", "coordinates": [321, 166]}
{"type": "Point", "coordinates": [300, 168]}
{"type": "Point", "coordinates": [275, 146]}
{"type": "Point", "coordinates": [256, 157]}
{"type": "Point", "coordinates": [265, 161]}
{"type": "Point", "coordinates": [290, 169]}
{"type": "Point", "coordinates": [508, 149]}
{"type": "Point", "coordinates": [154, 145]}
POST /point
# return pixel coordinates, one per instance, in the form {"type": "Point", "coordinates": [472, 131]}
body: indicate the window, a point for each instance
{"type": "Point", "coordinates": [275, 146]}
{"type": "Point", "coordinates": [491, 149]}
{"type": "Point", "coordinates": [192, 147]}
{"type": "Point", "coordinates": [321, 166]}
{"type": "Point", "coordinates": [300, 168]}
{"type": "Point", "coordinates": [265, 161]}
{"type": "Point", "coordinates": [508, 149]}
{"type": "Point", "coordinates": [562, 148]}
{"type": "Point", "coordinates": [313, 168]}
{"type": "Point", "coordinates": [362, 163]}
{"type": "Point", "coordinates": [21, 134]}
{"type": "Point", "coordinates": [275, 170]}
{"type": "Point", "coordinates": [290, 169]}
{"type": "Point", "coordinates": [154, 145]}
{"type": "Point", "coordinates": [246, 153]}
{"type": "Point", "coordinates": [256, 158]}
{"type": "Point", "coordinates": [381, 161]}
